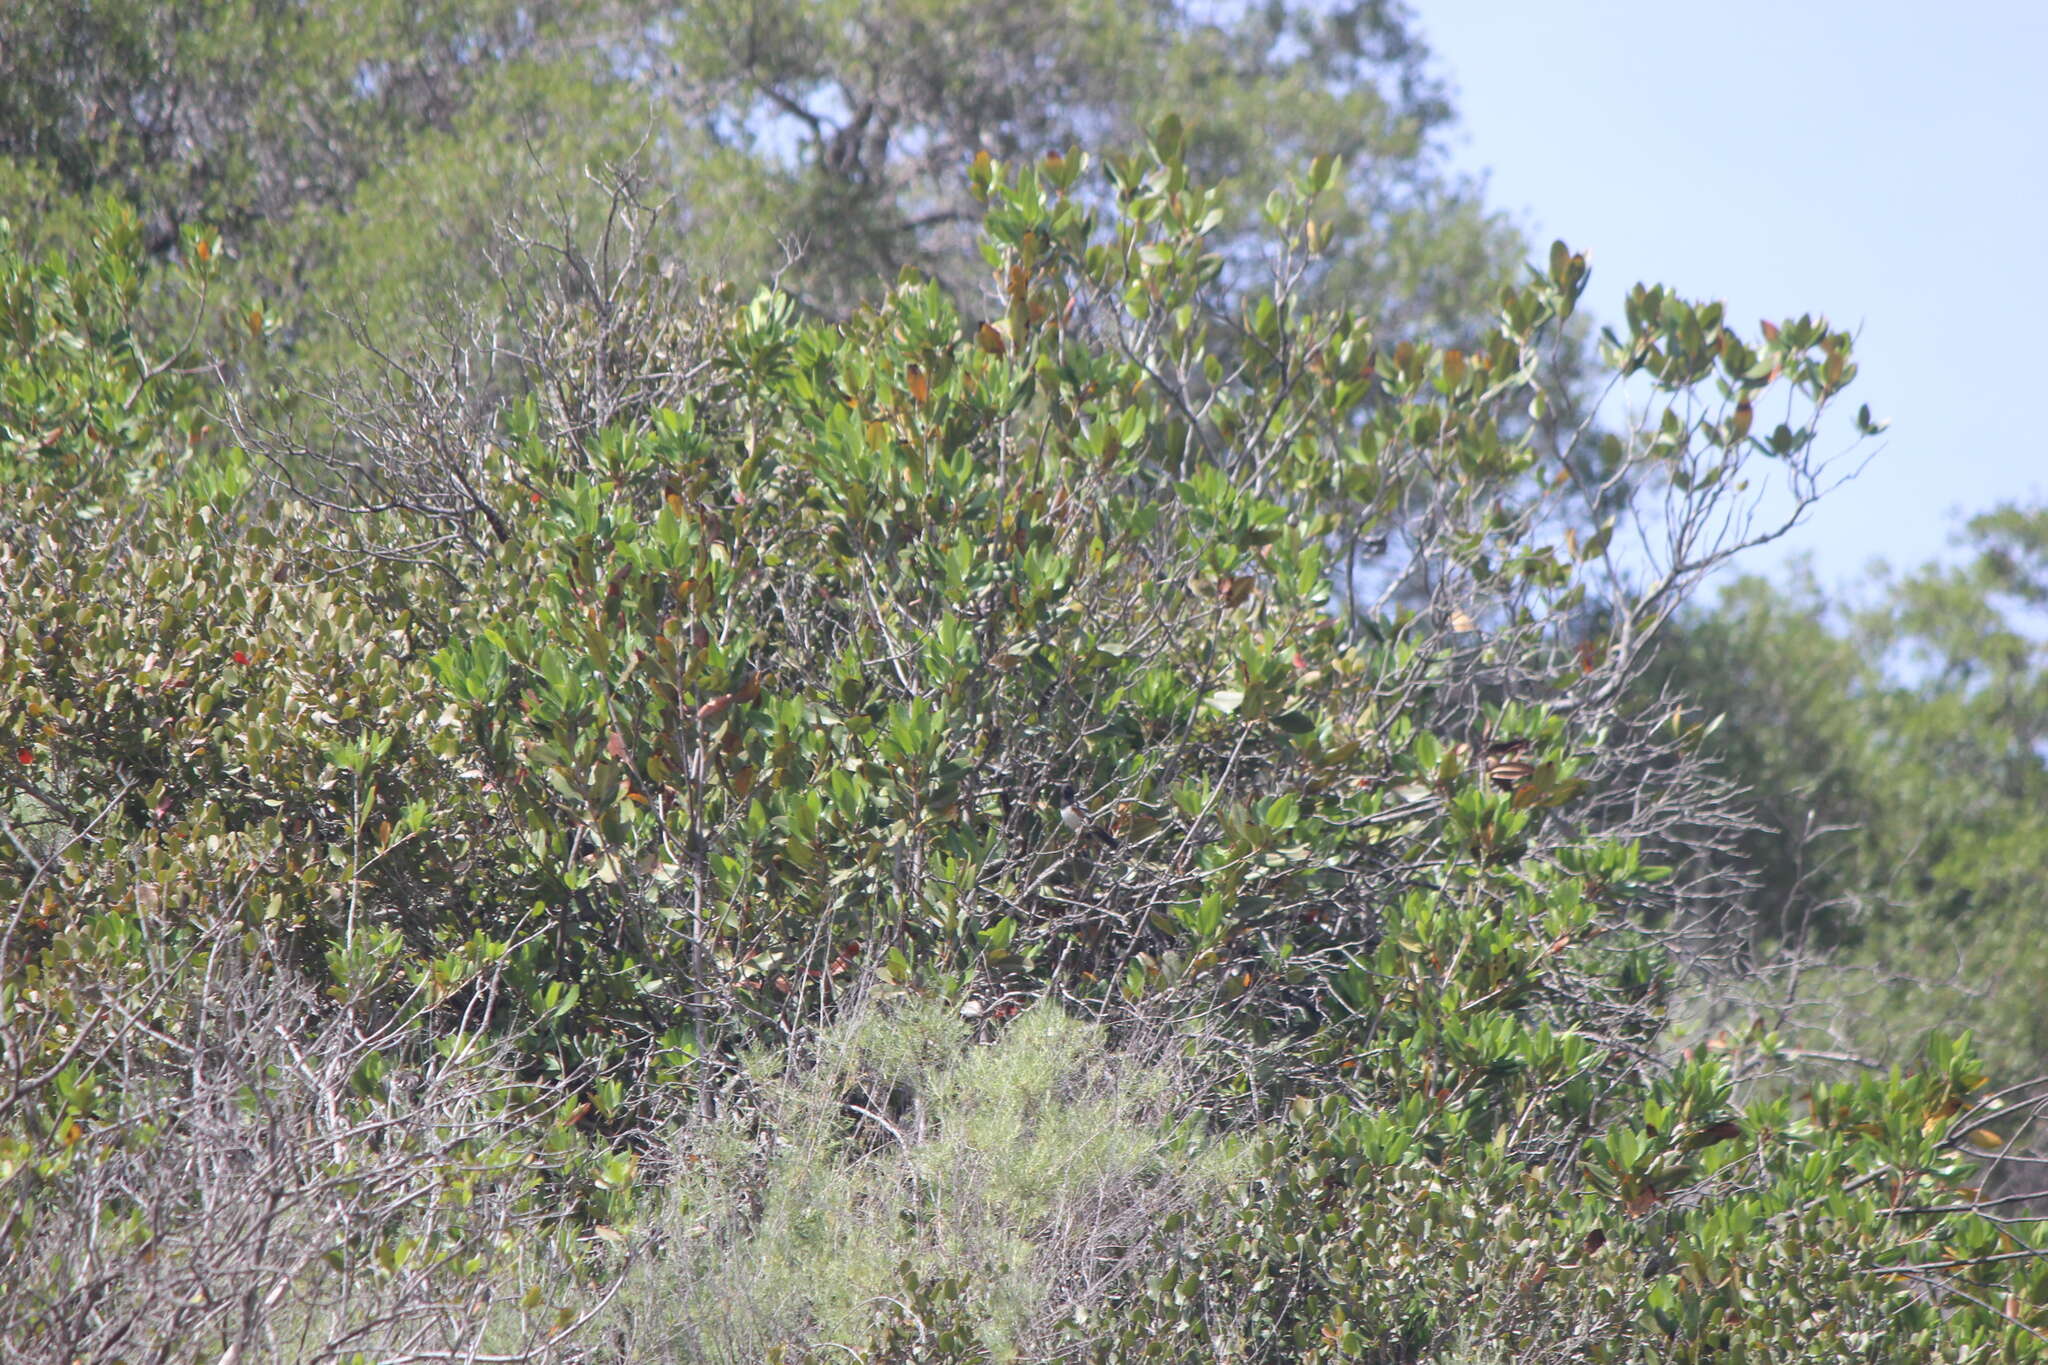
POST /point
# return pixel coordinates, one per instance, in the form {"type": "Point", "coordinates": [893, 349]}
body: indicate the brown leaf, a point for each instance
{"type": "Point", "coordinates": [1717, 1132]}
{"type": "Point", "coordinates": [1234, 588]}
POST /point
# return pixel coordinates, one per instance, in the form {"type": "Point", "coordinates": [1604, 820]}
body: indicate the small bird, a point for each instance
{"type": "Point", "coordinates": [1075, 818]}
{"type": "Point", "coordinates": [1507, 764]}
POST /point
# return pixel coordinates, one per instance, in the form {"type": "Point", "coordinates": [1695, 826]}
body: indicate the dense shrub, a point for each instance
{"type": "Point", "coordinates": [493, 843]}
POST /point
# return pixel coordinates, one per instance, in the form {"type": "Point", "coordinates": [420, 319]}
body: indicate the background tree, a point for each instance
{"type": "Point", "coordinates": [362, 154]}
{"type": "Point", "coordinates": [488, 182]}
{"type": "Point", "coordinates": [1893, 750]}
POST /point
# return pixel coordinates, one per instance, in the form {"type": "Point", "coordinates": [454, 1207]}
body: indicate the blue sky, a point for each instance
{"type": "Point", "coordinates": [1884, 164]}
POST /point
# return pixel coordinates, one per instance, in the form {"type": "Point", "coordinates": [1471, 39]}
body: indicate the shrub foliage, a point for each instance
{"type": "Point", "coordinates": [404, 892]}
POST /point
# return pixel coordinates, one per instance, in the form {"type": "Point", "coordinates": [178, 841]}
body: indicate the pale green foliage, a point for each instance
{"type": "Point", "coordinates": [1026, 1162]}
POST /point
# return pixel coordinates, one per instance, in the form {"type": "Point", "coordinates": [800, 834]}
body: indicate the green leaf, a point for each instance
{"type": "Point", "coordinates": [1226, 700]}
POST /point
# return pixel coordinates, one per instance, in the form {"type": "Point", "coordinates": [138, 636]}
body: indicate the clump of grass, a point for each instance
{"type": "Point", "coordinates": [1026, 1174]}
